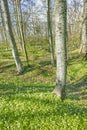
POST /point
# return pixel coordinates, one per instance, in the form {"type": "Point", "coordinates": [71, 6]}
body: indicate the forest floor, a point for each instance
{"type": "Point", "coordinates": [27, 101]}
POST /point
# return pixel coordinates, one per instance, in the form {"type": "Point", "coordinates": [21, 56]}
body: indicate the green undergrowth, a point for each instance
{"type": "Point", "coordinates": [27, 101]}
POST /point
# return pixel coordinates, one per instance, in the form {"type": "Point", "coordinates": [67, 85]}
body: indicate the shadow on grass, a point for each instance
{"type": "Point", "coordinates": [76, 59]}
{"type": "Point", "coordinates": [73, 57]}
{"type": "Point", "coordinates": [39, 67]}
{"type": "Point", "coordinates": [6, 67]}
{"type": "Point", "coordinates": [78, 90]}
{"type": "Point", "coordinates": [10, 89]}
{"type": "Point", "coordinates": [44, 63]}
{"type": "Point", "coordinates": [75, 91]}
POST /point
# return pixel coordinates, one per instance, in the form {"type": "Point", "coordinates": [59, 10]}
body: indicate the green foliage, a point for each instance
{"type": "Point", "coordinates": [26, 101]}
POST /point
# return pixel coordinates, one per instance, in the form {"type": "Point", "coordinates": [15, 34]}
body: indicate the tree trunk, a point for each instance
{"type": "Point", "coordinates": [50, 32]}
{"type": "Point", "coordinates": [20, 25]}
{"type": "Point", "coordinates": [17, 24]}
{"type": "Point", "coordinates": [4, 30]}
{"type": "Point", "coordinates": [84, 30]}
{"type": "Point", "coordinates": [10, 35]}
{"type": "Point", "coordinates": [60, 39]}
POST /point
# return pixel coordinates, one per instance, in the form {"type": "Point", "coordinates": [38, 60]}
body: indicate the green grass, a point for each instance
{"type": "Point", "coordinates": [27, 102]}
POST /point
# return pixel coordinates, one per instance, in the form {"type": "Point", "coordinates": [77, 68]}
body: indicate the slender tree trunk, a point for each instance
{"type": "Point", "coordinates": [8, 26]}
{"type": "Point", "coordinates": [83, 48]}
{"type": "Point", "coordinates": [60, 39]}
{"type": "Point", "coordinates": [4, 30]}
{"type": "Point", "coordinates": [50, 32]}
{"type": "Point", "coordinates": [17, 24]}
{"type": "Point", "coordinates": [20, 24]}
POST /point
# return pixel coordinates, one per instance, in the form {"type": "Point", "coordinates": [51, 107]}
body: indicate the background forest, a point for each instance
{"type": "Point", "coordinates": [29, 67]}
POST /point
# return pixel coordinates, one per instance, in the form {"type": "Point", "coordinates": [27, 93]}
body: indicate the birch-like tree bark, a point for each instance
{"type": "Point", "coordinates": [84, 30]}
{"type": "Point", "coordinates": [4, 29]}
{"type": "Point", "coordinates": [17, 25]}
{"type": "Point", "coordinates": [20, 27]}
{"type": "Point", "coordinates": [8, 26]}
{"type": "Point", "coordinates": [60, 39]}
{"type": "Point", "coordinates": [50, 38]}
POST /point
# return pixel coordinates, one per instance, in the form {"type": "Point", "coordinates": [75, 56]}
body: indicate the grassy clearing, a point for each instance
{"type": "Point", "coordinates": [26, 101]}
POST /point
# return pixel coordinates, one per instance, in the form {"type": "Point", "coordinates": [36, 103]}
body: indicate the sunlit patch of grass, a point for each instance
{"type": "Point", "coordinates": [27, 102]}
{"type": "Point", "coordinates": [77, 69]}
{"type": "Point", "coordinates": [30, 109]}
